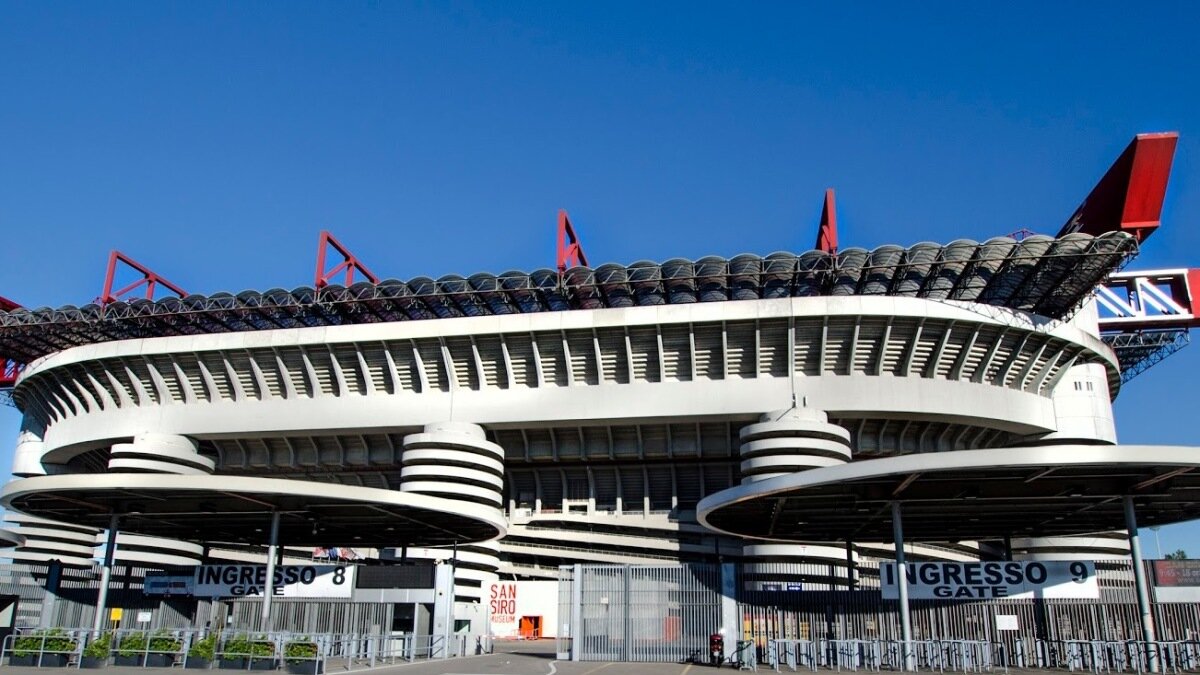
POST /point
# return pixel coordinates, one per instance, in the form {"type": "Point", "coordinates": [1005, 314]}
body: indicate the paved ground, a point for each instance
{"type": "Point", "coordinates": [510, 658]}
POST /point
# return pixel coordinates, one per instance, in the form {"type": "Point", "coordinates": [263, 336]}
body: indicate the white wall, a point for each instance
{"type": "Point", "coordinates": [527, 598]}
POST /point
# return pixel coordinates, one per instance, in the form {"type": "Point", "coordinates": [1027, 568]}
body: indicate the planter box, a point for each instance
{"type": "Point", "coordinates": [245, 663]}
{"type": "Point", "coordinates": [93, 661]}
{"type": "Point", "coordinates": [48, 660]}
{"type": "Point", "coordinates": [308, 667]}
{"type": "Point", "coordinates": [160, 660]}
{"type": "Point", "coordinates": [135, 660]}
{"type": "Point", "coordinates": [197, 663]}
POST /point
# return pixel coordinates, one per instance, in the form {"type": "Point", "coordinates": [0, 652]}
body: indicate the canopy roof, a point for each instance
{"type": "Point", "coordinates": [238, 509]}
{"type": "Point", "coordinates": [1040, 274]}
{"type": "Point", "coordinates": [1030, 491]}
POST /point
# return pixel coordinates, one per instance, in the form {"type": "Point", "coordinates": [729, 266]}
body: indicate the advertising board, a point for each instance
{"type": "Point", "coordinates": [1173, 573]}
{"type": "Point", "coordinates": [975, 580]}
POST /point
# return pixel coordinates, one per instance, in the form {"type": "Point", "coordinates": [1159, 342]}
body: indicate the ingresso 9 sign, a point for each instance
{"type": "Point", "coordinates": [968, 581]}
{"type": "Point", "coordinates": [290, 581]}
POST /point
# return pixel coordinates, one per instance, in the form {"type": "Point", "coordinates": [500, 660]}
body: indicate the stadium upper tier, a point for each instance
{"type": "Point", "coordinates": [1040, 274]}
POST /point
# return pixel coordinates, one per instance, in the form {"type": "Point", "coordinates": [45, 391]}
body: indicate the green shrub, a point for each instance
{"type": "Point", "coordinates": [244, 645]}
{"type": "Point", "coordinates": [300, 651]}
{"type": "Point", "coordinates": [204, 648]}
{"type": "Point", "coordinates": [49, 640]}
{"type": "Point", "coordinates": [100, 647]}
{"type": "Point", "coordinates": [163, 642]}
{"type": "Point", "coordinates": [132, 644]}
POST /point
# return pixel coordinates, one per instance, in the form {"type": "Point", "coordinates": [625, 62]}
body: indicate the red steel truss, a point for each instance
{"type": "Point", "coordinates": [149, 278]}
{"type": "Point", "coordinates": [349, 263]}
{"type": "Point", "coordinates": [1130, 195]}
{"type": "Point", "coordinates": [827, 234]}
{"type": "Point", "coordinates": [570, 251]}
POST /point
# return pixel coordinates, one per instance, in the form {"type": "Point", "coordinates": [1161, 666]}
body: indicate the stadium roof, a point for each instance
{"type": "Point", "coordinates": [1040, 274]}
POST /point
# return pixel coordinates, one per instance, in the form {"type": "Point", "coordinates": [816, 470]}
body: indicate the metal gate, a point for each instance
{"type": "Point", "coordinates": [642, 613]}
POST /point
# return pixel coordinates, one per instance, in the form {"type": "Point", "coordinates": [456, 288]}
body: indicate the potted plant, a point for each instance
{"type": "Point", "coordinates": [301, 657]}
{"type": "Point", "coordinates": [163, 648]}
{"type": "Point", "coordinates": [51, 647]}
{"type": "Point", "coordinates": [200, 655]}
{"type": "Point", "coordinates": [131, 649]}
{"type": "Point", "coordinates": [241, 652]}
{"type": "Point", "coordinates": [95, 654]}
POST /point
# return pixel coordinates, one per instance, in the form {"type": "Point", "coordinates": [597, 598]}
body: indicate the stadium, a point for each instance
{"type": "Point", "coordinates": [798, 419]}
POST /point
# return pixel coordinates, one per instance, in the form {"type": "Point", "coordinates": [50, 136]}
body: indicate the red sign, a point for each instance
{"type": "Point", "coordinates": [504, 603]}
{"type": "Point", "coordinates": [1177, 572]}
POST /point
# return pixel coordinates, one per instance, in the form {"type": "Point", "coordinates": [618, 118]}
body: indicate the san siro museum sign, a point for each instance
{"type": "Point", "coordinates": [975, 580]}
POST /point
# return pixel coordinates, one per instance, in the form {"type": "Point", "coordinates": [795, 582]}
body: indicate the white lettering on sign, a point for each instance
{"type": "Point", "coordinates": [972, 581]}
{"type": "Point", "coordinates": [503, 603]}
{"type": "Point", "coordinates": [290, 581]}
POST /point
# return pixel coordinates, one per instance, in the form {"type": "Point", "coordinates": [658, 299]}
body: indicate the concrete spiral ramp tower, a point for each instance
{"type": "Point", "coordinates": [453, 460]}
{"type": "Point", "coordinates": [159, 453]}
{"type": "Point", "coordinates": [784, 442]}
{"type": "Point", "coordinates": [788, 441]}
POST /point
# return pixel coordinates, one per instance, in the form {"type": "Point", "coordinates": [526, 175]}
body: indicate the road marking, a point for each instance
{"type": "Point", "coordinates": [553, 668]}
{"type": "Point", "coordinates": [689, 667]}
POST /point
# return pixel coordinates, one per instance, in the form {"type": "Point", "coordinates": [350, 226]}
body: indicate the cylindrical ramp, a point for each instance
{"type": "Point", "coordinates": [453, 460]}
{"type": "Point", "coordinates": [793, 440]}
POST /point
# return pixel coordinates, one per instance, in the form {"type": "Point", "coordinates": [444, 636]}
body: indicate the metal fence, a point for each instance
{"type": "Point", "coordinates": [666, 613]}
{"type": "Point", "coordinates": [321, 653]}
{"type": "Point", "coordinates": [641, 613]}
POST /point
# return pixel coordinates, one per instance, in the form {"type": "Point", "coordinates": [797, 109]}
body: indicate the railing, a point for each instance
{"type": "Point", "coordinates": [975, 656]}
{"type": "Point", "coordinates": [316, 653]}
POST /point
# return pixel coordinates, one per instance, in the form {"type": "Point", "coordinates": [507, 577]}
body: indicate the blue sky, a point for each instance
{"type": "Point", "coordinates": [213, 141]}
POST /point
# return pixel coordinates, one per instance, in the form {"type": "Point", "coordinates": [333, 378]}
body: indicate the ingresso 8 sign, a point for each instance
{"type": "Point", "coordinates": [968, 581]}
{"type": "Point", "coordinates": [291, 581]}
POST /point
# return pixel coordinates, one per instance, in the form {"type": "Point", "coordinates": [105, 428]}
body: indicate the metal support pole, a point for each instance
{"type": "Point", "coordinates": [269, 588]}
{"type": "Point", "coordinates": [1139, 582]}
{"type": "Point", "coordinates": [451, 599]}
{"type": "Point", "coordinates": [1008, 547]}
{"type": "Point", "coordinates": [110, 551]}
{"type": "Point", "coordinates": [902, 584]}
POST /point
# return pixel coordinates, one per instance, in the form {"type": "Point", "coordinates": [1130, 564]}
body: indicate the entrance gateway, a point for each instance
{"type": "Point", "coordinates": [1027, 617]}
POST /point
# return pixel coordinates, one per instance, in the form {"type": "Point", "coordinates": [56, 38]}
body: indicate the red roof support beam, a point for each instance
{"type": "Point", "coordinates": [348, 265]}
{"type": "Point", "coordinates": [9, 370]}
{"type": "Point", "coordinates": [1129, 197]}
{"type": "Point", "coordinates": [149, 278]}
{"type": "Point", "coordinates": [827, 236]}
{"type": "Point", "coordinates": [570, 251]}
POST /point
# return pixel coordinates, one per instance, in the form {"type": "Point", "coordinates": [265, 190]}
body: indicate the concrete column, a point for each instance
{"type": "Point", "coordinates": [576, 612]}
{"type": "Point", "coordinates": [731, 628]}
{"type": "Point", "coordinates": [1139, 581]}
{"type": "Point", "coordinates": [110, 551]}
{"type": "Point", "coordinates": [50, 600]}
{"type": "Point", "coordinates": [443, 606]}
{"type": "Point", "coordinates": [907, 655]}
{"type": "Point", "coordinates": [272, 553]}
{"type": "Point", "coordinates": [850, 566]}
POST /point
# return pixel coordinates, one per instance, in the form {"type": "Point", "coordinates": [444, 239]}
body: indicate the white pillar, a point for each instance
{"type": "Point", "coordinates": [1139, 582]}
{"type": "Point", "coordinates": [576, 612]}
{"type": "Point", "coordinates": [902, 584]}
{"type": "Point", "coordinates": [105, 575]}
{"type": "Point", "coordinates": [269, 589]}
